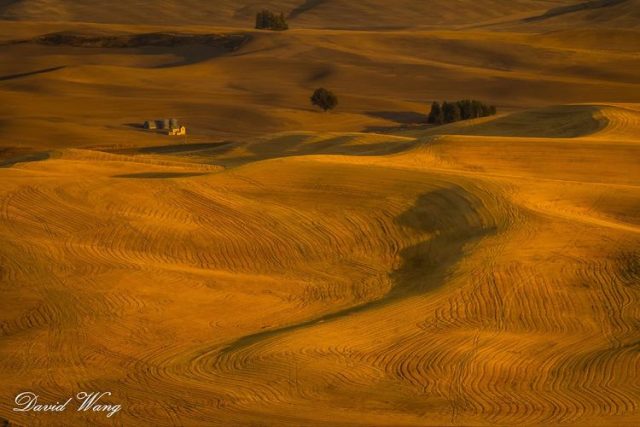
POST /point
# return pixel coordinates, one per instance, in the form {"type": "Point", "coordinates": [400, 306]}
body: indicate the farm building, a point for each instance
{"type": "Point", "coordinates": [178, 131]}
{"type": "Point", "coordinates": [171, 126]}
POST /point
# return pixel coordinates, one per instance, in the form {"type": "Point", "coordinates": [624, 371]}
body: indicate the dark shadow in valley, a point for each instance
{"type": "Point", "coordinates": [401, 117]}
{"type": "Point", "coordinates": [136, 126]}
{"type": "Point", "coordinates": [395, 129]}
{"type": "Point", "coordinates": [185, 148]}
{"type": "Point", "coordinates": [322, 73]}
{"type": "Point", "coordinates": [305, 7]}
{"type": "Point", "coordinates": [452, 217]}
{"type": "Point", "coordinates": [25, 158]}
{"type": "Point", "coordinates": [31, 73]}
{"type": "Point", "coordinates": [563, 121]}
{"type": "Point", "coordinates": [189, 48]}
{"type": "Point", "coordinates": [180, 149]}
{"type": "Point", "coordinates": [406, 120]}
{"type": "Point", "coordinates": [280, 147]}
{"type": "Point", "coordinates": [160, 175]}
{"type": "Point", "coordinates": [563, 10]}
{"type": "Point", "coordinates": [299, 145]}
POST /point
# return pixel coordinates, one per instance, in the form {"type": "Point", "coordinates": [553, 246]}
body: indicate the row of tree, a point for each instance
{"type": "Point", "coordinates": [449, 112]}
{"type": "Point", "coordinates": [267, 20]}
{"type": "Point", "coordinates": [441, 113]}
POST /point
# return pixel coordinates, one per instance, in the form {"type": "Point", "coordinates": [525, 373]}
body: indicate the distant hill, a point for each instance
{"type": "Point", "coordinates": [304, 13]}
{"type": "Point", "coordinates": [618, 14]}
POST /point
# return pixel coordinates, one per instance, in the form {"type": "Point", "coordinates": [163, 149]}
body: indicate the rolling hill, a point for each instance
{"type": "Point", "coordinates": [280, 266]}
{"type": "Point", "coordinates": [305, 279]}
{"type": "Point", "coordinates": [314, 13]}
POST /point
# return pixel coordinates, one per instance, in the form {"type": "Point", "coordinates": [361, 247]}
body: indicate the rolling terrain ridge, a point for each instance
{"type": "Point", "coordinates": [364, 13]}
{"type": "Point", "coordinates": [413, 287]}
{"type": "Point", "coordinates": [282, 266]}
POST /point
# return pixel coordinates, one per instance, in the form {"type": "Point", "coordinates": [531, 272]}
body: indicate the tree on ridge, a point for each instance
{"type": "Point", "coordinates": [324, 99]}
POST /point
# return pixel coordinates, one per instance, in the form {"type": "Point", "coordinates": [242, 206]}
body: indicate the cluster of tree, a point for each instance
{"type": "Point", "coordinates": [449, 112]}
{"type": "Point", "coordinates": [267, 20]}
{"type": "Point", "coordinates": [324, 99]}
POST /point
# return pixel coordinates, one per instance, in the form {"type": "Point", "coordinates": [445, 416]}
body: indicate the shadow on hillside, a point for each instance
{"type": "Point", "coordinates": [189, 48]}
{"type": "Point", "coordinates": [451, 220]}
{"type": "Point", "coordinates": [564, 10]}
{"type": "Point", "coordinates": [299, 145]}
{"type": "Point", "coordinates": [188, 55]}
{"type": "Point", "coordinates": [179, 149]}
{"type": "Point", "coordinates": [24, 158]}
{"type": "Point", "coordinates": [216, 153]}
{"type": "Point", "coordinates": [160, 175]}
{"type": "Point", "coordinates": [31, 73]}
{"type": "Point", "coordinates": [305, 7]}
{"type": "Point", "coordinates": [401, 117]}
{"type": "Point", "coordinates": [138, 126]}
{"type": "Point", "coordinates": [395, 129]}
{"type": "Point", "coordinates": [406, 120]}
{"type": "Point", "coordinates": [322, 73]}
{"type": "Point", "coordinates": [562, 121]}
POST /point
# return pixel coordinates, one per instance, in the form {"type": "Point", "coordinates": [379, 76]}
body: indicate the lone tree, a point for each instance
{"type": "Point", "coordinates": [267, 20]}
{"type": "Point", "coordinates": [324, 99]}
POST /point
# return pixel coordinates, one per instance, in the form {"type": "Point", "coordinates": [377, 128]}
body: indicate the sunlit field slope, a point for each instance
{"type": "Point", "coordinates": [60, 94]}
{"type": "Point", "coordinates": [370, 279]}
{"type": "Point", "coordinates": [280, 266]}
{"type": "Point", "coordinates": [314, 13]}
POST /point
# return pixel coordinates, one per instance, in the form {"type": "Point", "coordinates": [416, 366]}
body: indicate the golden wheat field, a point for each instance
{"type": "Point", "coordinates": [283, 266]}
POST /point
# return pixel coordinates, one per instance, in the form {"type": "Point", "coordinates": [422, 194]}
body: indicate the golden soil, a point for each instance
{"type": "Point", "coordinates": [281, 266]}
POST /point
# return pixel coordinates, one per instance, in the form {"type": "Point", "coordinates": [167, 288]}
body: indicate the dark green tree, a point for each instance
{"type": "Point", "coordinates": [435, 116]}
{"type": "Point", "coordinates": [267, 20]}
{"type": "Point", "coordinates": [465, 109]}
{"type": "Point", "coordinates": [324, 99]}
{"type": "Point", "coordinates": [280, 23]}
{"type": "Point", "coordinates": [476, 109]}
{"type": "Point", "coordinates": [451, 111]}
{"type": "Point", "coordinates": [261, 20]}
